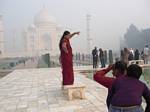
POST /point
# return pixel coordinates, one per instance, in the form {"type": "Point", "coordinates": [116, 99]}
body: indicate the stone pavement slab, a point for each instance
{"type": "Point", "coordinates": [39, 90]}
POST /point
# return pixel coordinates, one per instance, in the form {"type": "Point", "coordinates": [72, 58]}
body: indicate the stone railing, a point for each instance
{"type": "Point", "coordinates": [139, 62]}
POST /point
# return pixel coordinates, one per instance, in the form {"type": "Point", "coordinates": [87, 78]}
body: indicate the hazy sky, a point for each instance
{"type": "Point", "coordinates": [109, 18]}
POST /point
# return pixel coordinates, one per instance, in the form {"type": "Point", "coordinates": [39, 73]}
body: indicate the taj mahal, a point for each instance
{"type": "Point", "coordinates": [40, 37]}
{"type": "Point", "coordinates": [43, 35]}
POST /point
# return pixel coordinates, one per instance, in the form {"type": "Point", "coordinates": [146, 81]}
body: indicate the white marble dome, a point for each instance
{"type": "Point", "coordinates": [44, 17]}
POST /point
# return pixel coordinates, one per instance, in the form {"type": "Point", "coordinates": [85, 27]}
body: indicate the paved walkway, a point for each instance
{"type": "Point", "coordinates": [39, 90]}
{"type": "Point", "coordinates": [28, 64]}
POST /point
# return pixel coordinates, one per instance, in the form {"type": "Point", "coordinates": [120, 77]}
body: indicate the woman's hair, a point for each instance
{"type": "Point", "coordinates": [64, 34]}
{"type": "Point", "coordinates": [134, 71]}
{"type": "Point", "coordinates": [120, 66]}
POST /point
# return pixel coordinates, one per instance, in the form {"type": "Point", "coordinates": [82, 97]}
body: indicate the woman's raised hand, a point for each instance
{"type": "Point", "coordinates": [77, 33]}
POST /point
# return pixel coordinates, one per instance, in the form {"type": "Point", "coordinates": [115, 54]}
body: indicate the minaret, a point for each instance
{"type": "Point", "coordinates": [1, 36]}
{"type": "Point", "coordinates": [89, 39]}
{"type": "Point", "coordinates": [14, 39]}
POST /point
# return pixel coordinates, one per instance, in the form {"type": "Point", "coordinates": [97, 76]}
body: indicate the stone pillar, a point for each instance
{"type": "Point", "coordinates": [110, 57]}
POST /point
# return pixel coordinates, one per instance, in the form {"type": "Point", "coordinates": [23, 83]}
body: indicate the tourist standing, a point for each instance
{"type": "Point", "coordinates": [122, 55]}
{"type": "Point", "coordinates": [136, 54]}
{"type": "Point", "coordinates": [146, 54]}
{"type": "Point", "coordinates": [131, 56]}
{"type": "Point", "coordinates": [102, 58]}
{"type": "Point", "coordinates": [95, 57]}
{"type": "Point", "coordinates": [126, 55]}
{"type": "Point", "coordinates": [66, 58]}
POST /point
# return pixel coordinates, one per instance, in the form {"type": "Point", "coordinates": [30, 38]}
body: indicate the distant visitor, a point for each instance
{"type": "Point", "coordinates": [95, 57]}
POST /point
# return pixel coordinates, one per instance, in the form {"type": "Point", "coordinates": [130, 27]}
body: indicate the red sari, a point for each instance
{"type": "Point", "coordinates": [67, 65]}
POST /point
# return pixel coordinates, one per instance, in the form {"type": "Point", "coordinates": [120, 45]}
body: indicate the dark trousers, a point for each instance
{"type": "Point", "coordinates": [94, 63]}
{"type": "Point", "coordinates": [102, 62]}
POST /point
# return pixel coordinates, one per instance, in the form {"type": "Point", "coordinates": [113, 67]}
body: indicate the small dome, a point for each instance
{"type": "Point", "coordinates": [31, 27]}
{"type": "Point", "coordinates": [44, 17]}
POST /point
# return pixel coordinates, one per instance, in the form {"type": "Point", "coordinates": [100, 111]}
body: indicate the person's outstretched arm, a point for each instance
{"type": "Point", "coordinates": [71, 35]}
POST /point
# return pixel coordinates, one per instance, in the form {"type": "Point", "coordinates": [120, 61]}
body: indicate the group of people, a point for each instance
{"type": "Point", "coordinates": [101, 56]}
{"type": "Point", "coordinates": [127, 55]}
{"type": "Point", "coordinates": [125, 90]}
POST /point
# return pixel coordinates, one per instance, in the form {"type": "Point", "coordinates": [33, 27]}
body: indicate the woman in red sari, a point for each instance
{"type": "Point", "coordinates": [66, 58]}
